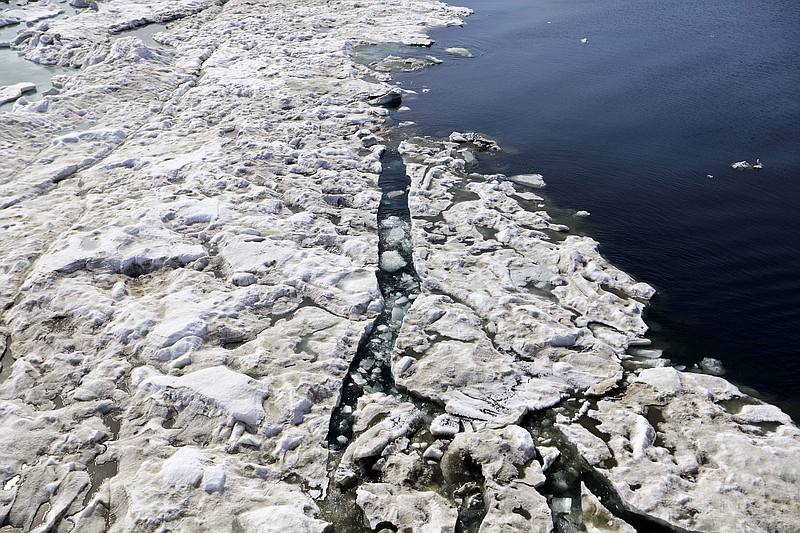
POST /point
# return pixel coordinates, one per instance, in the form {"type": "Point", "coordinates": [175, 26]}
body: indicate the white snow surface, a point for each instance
{"type": "Point", "coordinates": [235, 394]}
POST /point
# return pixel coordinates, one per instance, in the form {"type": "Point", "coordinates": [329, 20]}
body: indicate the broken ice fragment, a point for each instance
{"type": "Point", "coordinates": [392, 261]}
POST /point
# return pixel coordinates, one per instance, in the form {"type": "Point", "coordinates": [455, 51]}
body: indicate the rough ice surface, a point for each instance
{"type": "Point", "coordinates": [392, 261]}
{"type": "Point", "coordinates": [232, 393]}
{"type": "Point", "coordinates": [511, 322]}
{"type": "Point", "coordinates": [535, 181]}
{"type": "Point", "coordinates": [188, 267]}
{"type": "Point", "coordinates": [426, 512]}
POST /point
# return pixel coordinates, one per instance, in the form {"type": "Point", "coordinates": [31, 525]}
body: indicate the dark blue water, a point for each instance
{"type": "Point", "coordinates": [628, 126]}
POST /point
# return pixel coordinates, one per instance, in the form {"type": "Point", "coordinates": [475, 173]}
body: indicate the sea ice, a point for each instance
{"type": "Point", "coordinates": [189, 251]}
{"type": "Point", "coordinates": [185, 468]}
{"type": "Point", "coordinates": [392, 261]}
{"type": "Point", "coordinates": [237, 395]}
{"type": "Point", "coordinates": [9, 93]}
{"type": "Point", "coordinates": [456, 51]}
{"type": "Point", "coordinates": [535, 181]}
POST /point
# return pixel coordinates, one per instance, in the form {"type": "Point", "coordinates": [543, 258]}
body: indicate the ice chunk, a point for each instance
{"type": "Point", "coordinates": [396, 237]}
{"type": "Point", "coordinates": [392, 261]}
{"type": "Point", "coordinates": [445, 426]}
{"type": "Point", "coordinates": [712, 366]}
{"type": "Point", "coordinates": [665, 380]}
{"type": "Point", "coordinates": [755, 414]}
{"type": "Point", "coordinates": [647, 353]}
{"type": "Point", "coordinates": [456, 51]}
{"type": "Point", "coordinates": [562, 505]}
{"type": "Point", "coordinates": [535, 181]}
{"type": "Point", "coordinates": [405, 509]}
{"type": "Point", "coordinates": [9, 93]}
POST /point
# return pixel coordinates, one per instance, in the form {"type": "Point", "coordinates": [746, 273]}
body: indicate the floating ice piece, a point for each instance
{"type": "Point", "coordinates": [393, 98]}
{"type": "Point", "coordinates": [758, 165]}
{"type": "Point", "coordinates": [456, 51]}
{"type": "Point", "coordinates": [177, 326]}
{"type": "Point", "coordinates": [582, 213]}
{"type": "Point", "coordinates": [584, 40]}
{"type": "Point", "coordinates": [741, 165]}
{"type": "Point", "coordinates": [392, 261]}
{"type": "Point", "coordinates": [664, 380]}
{"type": "Point", "coordinates": [591, 447]}
{"type": "Point", "coordinates": [712, 366]}
{"type": "Point", "coordinates": [535, 181]}
{"type": "Point", "coordinates": [562, 505]}
{"type": "Point", "coordinates": [647, 353]}
{"type": "Point", "coordinates": [9, 93]}
{"type": "Point", "coordinates": [214, 479]}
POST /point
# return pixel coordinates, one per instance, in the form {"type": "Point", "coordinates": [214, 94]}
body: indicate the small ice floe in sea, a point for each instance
{"type": "Point", "coordinates": [392, 98]}
{"type": "Point", "coordinates": [712, 366]}
{"type": "Point", "coordinates": [535, 181]}
{"type": "Point", "coordinates": [584, 40]}
{"type": "Point", "coordinates": [9, 93]}
{"type": "Point", "coordinates": [392, 261]}
{"type": "Point", "coordinates": [744, 165]}
{"type": "Point", "coordinates": [582, 213]}
{"type": "Point", "coordinates": [481, 142]}
{"type": "Point", "coordinates": [455, 51]}
{"type": "Point", "coordinates": [709, 175]}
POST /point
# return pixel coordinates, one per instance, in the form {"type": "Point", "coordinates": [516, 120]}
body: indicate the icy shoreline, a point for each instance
{"type": "Point", "coordinates": [190, 244]}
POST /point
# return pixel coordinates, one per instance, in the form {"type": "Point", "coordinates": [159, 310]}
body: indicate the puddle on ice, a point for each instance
{"type": "Point", "coordinates": [38, 520]}
{"type": "Point", "coordinates": [16, 69]}
{"type": "Point", "coordinates": [145, 33]}
{"type": "Point", "coordinates": [98, 473]}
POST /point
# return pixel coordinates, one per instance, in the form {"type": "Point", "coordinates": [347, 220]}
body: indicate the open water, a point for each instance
{"type": "Point", "coordinates": [629, 126]}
